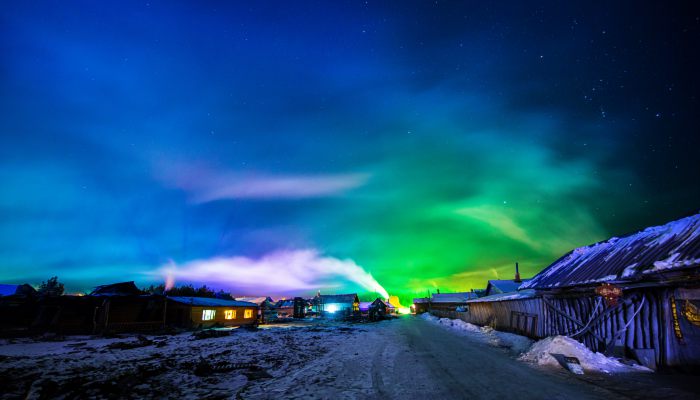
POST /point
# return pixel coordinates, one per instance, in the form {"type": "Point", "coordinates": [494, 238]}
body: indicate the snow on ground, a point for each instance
{"type": "Point", "coordinates": [515, 344]}
{"type": "Point", "coordinates": [538, 352]}
{"type": "Point", "coordinates": [541, 354]}
{"type": "Point", "coordinates": [167, 366]}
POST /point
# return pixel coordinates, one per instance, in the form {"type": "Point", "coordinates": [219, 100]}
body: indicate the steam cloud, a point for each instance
{"type": "Point", "coordinates": [282, 271]}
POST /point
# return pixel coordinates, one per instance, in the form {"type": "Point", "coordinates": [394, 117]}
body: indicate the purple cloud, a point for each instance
{"type": "Point", "coordinates": [278, 272]}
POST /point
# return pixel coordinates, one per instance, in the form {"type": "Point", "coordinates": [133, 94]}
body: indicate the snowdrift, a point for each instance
{"type": "Point", "coordinates": [541, 353]}
{"type": "Point", "coordinates": [515, 344]}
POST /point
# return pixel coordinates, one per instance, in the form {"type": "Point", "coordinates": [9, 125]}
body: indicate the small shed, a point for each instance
{"type": "Point", "coordinates": [204, 312]}
{"type": "Point", "coordinates": [378, 309]}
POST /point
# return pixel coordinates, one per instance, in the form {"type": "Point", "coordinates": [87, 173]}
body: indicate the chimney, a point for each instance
{"type": "Point", "coordinates": [438, 291]}
{"type": "Point", "coordinates": [517, 274]}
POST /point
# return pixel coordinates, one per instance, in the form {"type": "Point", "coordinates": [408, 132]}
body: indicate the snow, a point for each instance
{"type": "Point", "coordinates": [148, 366]}
{"type": "Point", "coordinates": [515, 344]}
{"type": "Point", "coordinates": [541, 354]}
{"type": "Point", "coordinates": [638, 252]}
{"type": "Point", "coordinates": [519, 295]}
{"type": "Point", "coordinates": [537, 352]}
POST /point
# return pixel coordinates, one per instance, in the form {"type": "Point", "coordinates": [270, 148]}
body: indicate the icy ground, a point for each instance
{"type": "Point", "coordinates": [405, 358]}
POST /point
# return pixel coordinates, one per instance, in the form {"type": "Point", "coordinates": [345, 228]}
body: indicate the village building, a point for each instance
{"type": "Point", "coordinates": [450, 301]}
{"type": "Point", "coordinates": [420, 305]}
{"type": "Point", "coordinates": [636, 296]}
{"type": "Point", "coordinates": [266, 307]}
{"type": "Point", "coordinates": [337, 304]}
{"type": "Point", "coordinates": [204, 312]}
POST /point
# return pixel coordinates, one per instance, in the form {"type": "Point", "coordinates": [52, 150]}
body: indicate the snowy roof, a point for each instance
{"type": "Point", "coordinates": [503, 286]}
{"type": "Point", "coordinates": [256, 300]}
{"type": "Point", "coordinates": [210, 302]}
{"type": "Point", "coordinates": [419, 300]}
{"type": "Point", "coordinates": [519, 295]}
{"type": "Point", "coordinates": [285, 303]}
{"type": "Point", "coordinates": [672, 246]}
{"type": "Point", "coordinates": [339, 298]}
{"type": "Point", "coordinates": [364, 305]}
{"type": "Point", "coordinates": [459, 297]}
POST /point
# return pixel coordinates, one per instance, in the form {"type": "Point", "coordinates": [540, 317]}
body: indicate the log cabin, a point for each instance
{"type": "Point", "coordinates": [202, 312]}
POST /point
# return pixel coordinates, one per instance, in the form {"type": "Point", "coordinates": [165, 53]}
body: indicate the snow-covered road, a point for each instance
{"type": "Point", "coordinates": [405, 358]}
{"type": "Point", "coordinates": [411, 358]}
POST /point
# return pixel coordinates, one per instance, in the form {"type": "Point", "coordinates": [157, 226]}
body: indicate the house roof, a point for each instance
{"type": "Point", "coordinates": [11, 290]}
{"type": "Point", "coordinates": [634, 257]}
{"type": "Point", "coordinates": [419, 300]}
{"type": "Point", "coordinates": [285, 303]}
{"type": "Point", "coordinates": [503, 286]}
{"type": "Point", "coordinates": [364, 305]}
{"type": "Point", "coordinates": [210, 302]}
{"type": "Point", "coordinates": [458, 297]}
{"type": "Point", "coordinates": [256, 300]}
{"type": "Point", "coordinates": [117, 289]}
{"type": "Point", "coordinates": [519, 295]}
{"type": "Point", "coordinates": [339, 298]}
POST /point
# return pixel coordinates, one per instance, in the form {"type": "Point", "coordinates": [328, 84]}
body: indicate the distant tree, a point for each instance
{"type": "Point", "coordinates": [188, 291]}
{"type": "Point", "coordinates": [160, 289]}
{"type": "Point", "coordinates": [223, 295]}
{"type": "Point", "coordinates": [52, 287]}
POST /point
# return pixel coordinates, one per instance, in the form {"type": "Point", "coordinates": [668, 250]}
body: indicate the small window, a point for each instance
{"type": "Point", "coordinates": [248, 314]}
{"type": "Point", "coordinates": [208, 315]}
{"type": "Point", "coordinates": [230, 314]}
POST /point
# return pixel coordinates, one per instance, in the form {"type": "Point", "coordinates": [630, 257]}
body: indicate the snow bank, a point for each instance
{"type": "Point", "coordinates": [428, 317]}
{"type": "Point", "coordinates": [515, 344]}
{"type": "Point", "coordinates": [541, 353]}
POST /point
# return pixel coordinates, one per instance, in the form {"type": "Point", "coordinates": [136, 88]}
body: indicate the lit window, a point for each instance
{"type": "Point", "coordinates": [248, 314]}
{"type": "Point", "coordinates": [208, 315]}
{"type": "Point", "coordinates": [230, 314]}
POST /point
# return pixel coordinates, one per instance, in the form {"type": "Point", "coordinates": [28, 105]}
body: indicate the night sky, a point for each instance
{"type": "Point", "coordinates": [283, 148]}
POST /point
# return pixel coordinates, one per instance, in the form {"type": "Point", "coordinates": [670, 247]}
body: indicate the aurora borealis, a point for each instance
{"type": "Point", "coordinates": [429, 144]}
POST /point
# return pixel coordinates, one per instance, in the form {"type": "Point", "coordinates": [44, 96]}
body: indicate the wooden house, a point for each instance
{"type": "Point", "coordinates": [420, 305]}
{"type": "Point", "coordinates": [450, 301]}
{"type": "Point", "coordinates": [636, 295]}
{"type": "Point", "coordinates": [337, 305]}
{"type": "Point", "coordinates": [203, 312]}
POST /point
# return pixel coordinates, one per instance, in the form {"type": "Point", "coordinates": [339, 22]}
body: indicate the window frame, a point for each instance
{"type": "Point", "coordinates": [248, 313]}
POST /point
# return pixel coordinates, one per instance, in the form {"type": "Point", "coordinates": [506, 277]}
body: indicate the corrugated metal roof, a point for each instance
{"type": "Point", "coordinates": [460, 297]}
{"type": "Point", "coordinates": [210, 302]}
{"type": "Point", "coordinates": [519, 295]}
{"type": "Point", "coordinates": [672, 246]}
